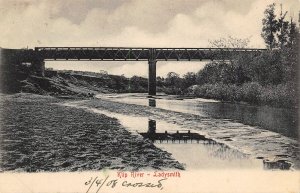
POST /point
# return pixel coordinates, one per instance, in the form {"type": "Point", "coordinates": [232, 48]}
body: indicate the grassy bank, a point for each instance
{"type": "Point", "coordinates": [282, 95]}
{"type": "Point", "coordinates": [39, 135]}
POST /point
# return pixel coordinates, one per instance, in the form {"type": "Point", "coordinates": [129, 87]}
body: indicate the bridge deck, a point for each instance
{"type": "Point", "coordinates": [140, 54]}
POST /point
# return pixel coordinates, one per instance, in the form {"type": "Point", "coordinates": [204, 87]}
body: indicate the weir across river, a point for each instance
{"type": "Point", "coordinates": [38, 55]}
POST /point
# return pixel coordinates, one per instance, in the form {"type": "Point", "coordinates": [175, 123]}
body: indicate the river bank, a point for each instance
{"type": "Point", "coordinates": [38, 134]}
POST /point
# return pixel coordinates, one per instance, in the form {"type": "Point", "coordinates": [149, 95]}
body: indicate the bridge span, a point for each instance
{"type": "Point", "coordinates": [152, 55]}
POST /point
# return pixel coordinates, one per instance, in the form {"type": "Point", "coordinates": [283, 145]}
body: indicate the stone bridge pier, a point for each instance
{"type": "Point", "coordinates": [152, 77]}
{"type": "Point", "coordinates": [152, 72]}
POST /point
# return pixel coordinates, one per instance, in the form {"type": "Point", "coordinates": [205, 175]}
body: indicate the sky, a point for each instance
{"type": "Point", "coordinates": [132, 23]}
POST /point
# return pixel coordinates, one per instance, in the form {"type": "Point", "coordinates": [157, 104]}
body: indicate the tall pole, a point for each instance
{"type": "Point", "coordinates": [152, 73]}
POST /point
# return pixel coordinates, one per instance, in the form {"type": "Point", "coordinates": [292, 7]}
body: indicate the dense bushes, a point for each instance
{"type": "Point", "coordinates": [270, 67]}
{"type": "Point", "coordinates": [137, 84]}
{"type": "Point", "coordinates": [282, 95]}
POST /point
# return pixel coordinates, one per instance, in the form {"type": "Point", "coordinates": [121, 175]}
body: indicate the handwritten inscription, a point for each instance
{"type": "Point", "coordinates": [96, 183]}
{"type": "Point", "coordinates": [129, 180]}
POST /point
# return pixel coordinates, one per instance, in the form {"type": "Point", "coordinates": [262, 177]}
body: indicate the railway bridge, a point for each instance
{"type": "Point", "coordinates": [39, 55]}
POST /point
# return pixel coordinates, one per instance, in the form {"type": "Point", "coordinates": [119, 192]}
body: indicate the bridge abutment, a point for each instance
{"type": "Point", "coordinates": [39, 67]}
{"type": "Point", "coordinates": [152, 77]}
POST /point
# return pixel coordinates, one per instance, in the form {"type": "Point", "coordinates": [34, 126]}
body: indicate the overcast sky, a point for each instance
{"type": "Point", "coordinates": [146, 23]}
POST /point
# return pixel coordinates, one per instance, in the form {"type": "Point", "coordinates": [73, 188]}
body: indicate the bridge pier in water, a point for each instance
{"type": "Point", "coordinates": [152, 77]}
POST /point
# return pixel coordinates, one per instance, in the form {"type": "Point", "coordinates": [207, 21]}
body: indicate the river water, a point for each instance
{"type": "Point", "coordinates": [243, 134]}
{"type": "Point", "coordinates": [279, 120]}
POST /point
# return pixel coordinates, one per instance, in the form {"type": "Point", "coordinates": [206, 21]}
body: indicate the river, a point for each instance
{"type": "Point", "coordinates": [243, 135]}
{"type": "Point", "coordinates": [279, 120]}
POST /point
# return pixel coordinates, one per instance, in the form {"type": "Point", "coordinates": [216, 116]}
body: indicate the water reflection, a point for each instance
{"type": "Point", "coordinates": [167, 136]}
{"type": "Point", "coordinates": [152, 102]}
{"type": "Point", "coordinates": [174, 136]}
{"type": "Point", "coordinates": [151, 126]}
{"type": "Point", "coordinates": [196, 151]}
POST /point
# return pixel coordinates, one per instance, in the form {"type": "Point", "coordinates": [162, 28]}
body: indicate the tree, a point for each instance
{"type": "Point", "coordinates": [229, 42]}
{"type": "Point", "coordinates": [282, 30]}
{"type": "Point", "coordinates": [278, 32]}
{"type": "Point", "coordinates": [189, 79]}
{"type": "Point", "coordinates": [270, 27]}
{"type": "Point", "coordinates": [160, 81]}
{"type": "Point", "coordinates": [293, 34]}
{"type": "Point", "coordinates": [173, 79]}
{"type": "Point", "coordinates": [290, 55]}
{"type": "Point", "coordinates": [137, 84]}
{"type": "Point", "coordinates": [211, 73]}
{"type": "Point", "coordinates": [103, 72]}
{"type": "Point", "coordinates": [174, 83]}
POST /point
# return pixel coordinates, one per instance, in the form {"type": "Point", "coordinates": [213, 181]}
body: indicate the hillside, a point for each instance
{"type": "Point", "coordinates": [81, 84]}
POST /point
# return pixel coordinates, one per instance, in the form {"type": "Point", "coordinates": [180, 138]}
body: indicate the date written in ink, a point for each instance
{"type": "Point", "coordinates": [95, 184]}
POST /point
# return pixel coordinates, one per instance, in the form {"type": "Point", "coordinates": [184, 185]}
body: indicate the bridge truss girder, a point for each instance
{"type": "Point", "coordinates": [140, 54]}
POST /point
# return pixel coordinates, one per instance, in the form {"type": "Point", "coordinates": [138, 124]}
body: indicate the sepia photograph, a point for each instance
{"type": "Point", "coordinates": [194, 96]}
